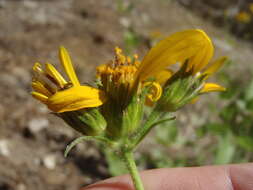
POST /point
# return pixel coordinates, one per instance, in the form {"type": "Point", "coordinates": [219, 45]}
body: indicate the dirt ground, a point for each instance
{"type": "Point", "coordinates": [32, 141]}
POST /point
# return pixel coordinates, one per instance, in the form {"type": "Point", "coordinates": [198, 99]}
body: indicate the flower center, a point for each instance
{"type": "Point", "coordinates": [117, 76]}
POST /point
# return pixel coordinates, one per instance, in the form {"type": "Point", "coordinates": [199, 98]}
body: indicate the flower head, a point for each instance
{"type": "Point", "coordinates": [192, 50]}
{"type": "Point", "coordinates": [60, 95]}
{"type": "Point", "coordinates": [115, 109]}
{"type": "Point", "coordinates": [117, 77]}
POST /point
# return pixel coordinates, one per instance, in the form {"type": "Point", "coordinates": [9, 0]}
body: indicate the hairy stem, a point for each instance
{"type": "Point", "coordinates": [131, 166]}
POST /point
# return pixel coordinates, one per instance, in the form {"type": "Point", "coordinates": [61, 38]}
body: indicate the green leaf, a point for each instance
{"type": "Point", "coordinates": [166, 134]}
{"type": "Point", "coordinates": [115, 163]}
{"type": "Point", "coordinates": [249, 91]}
{"type": "Point", "coordinates": [246, 142]}
{"type": "Point", "coordinates": [229, 93]}
{"type": "Point", "coordinates": [225, 151]}
{"type": "Point", "coordinates": [249, 105]}
{"type": "Point", "coordinates": [229, 112]}
{"type": "Point", "coordinates": [217, 128]}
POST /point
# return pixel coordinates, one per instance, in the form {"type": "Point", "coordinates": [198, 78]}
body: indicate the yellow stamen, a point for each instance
{"type": "Point", "coordinates": [40, 97]}
{"type": "Point", "coordinates": [212, 87]}
{"type": "Point", "coordinates": [68, 67]}
{"type": "Point", "coordinates": [39, 87]}
{"type": "Point", "coordinates": [55, 75]}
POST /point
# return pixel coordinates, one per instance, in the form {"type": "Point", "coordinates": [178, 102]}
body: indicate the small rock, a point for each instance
{"type": "Point", "coordinates": [4, 148]}
{"type": "Point", "coordinates": [22, 75]}
{"type": "Point", "coordinates": [49, 161]}
{"type": "Point", "coordinates": [8, 80]}
{"type": "Point", "coordinates": [21, 186]}
{"type": "Point", "coordinates": [37, 124]}
{"type": "Point", "coordinates": [30, 4]}
{"type": "Point", "coordinates": [125, 22]}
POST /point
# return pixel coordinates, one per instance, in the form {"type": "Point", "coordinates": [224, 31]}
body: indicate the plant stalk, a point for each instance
{"type": "Point", "coordinates": [131, 166]}
{"type": "Point", "coordinates": [146, 128]}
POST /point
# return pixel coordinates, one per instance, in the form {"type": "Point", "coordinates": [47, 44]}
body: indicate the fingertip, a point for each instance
{"type": "Point", "coordinates": [115, 183]}
{"type": "Point", "coordinates": [241, 176]}
{"type": "Point", "coordinates": [237, 177]}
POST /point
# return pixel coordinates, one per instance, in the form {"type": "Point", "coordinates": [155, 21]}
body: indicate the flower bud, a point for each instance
{"type": "Point", "coordinates": [89, 121]}
{"type": "Point", "coordinates": [180, 89]}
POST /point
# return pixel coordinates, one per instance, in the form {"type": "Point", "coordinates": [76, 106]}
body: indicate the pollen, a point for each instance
{"type": "Point", "coordinates": [118, 73]}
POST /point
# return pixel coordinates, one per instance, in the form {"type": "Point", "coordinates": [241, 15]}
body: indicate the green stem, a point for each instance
{"type": "Point", "coordinates": [131, 166]}
{"type": "Point", "coordinates": [146, 128]}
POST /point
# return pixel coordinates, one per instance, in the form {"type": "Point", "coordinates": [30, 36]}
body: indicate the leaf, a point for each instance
{"type": "Point", "coordinates": [115, 164]}
{"type": "Point", "coordinates": [249, 105]}
{"type": "Point", "coordinates": [86, 138]}
{"type": "Point", "coordinates": [229, 112]}
{"type": "Point", "coordinates": [246, 142]}
{"type": "Point", "coordinates": [225, 151]}
{"type": "Point", "coordinates": [217, 128]}
{"type": "Point", "coordinates": [166, 134]}
{"type": "Point", "coordinates": [249, 91]}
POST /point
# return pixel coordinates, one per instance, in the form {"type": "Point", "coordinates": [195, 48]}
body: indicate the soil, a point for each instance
{"type": "Point", "coordinates": [32, 141]}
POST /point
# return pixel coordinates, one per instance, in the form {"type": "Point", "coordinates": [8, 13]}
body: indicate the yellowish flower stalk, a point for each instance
{"type": "Point", "coordinates": [113, 111]}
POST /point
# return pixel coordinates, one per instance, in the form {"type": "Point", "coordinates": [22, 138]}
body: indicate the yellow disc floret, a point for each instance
{"type": "Point", "coordinates": [117, 76]}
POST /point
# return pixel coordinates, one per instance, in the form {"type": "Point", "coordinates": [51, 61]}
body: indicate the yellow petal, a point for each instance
{"type": "Point", "coordinates": [202, 58]}
{"type": "Point", "coordinates": [68, 67]}
{"type": "Point", "coordinates": [212, 87]}
{"type": "Point", "coordinates": [39, 87]}
{"type": "Point", "coordinates": [154, 94]}
{"type": "Point", "coordinates": [176, 48]}
{"type": "Point", "coordinates": [162, 76]}
{"type": "Point", "coordinates": [55, 75]}
{"type": "Point", "coordinates": [40, 97]}
{"type": "Point", "coordinates": [76, 98]}
{"type": "Point", "coordinates": [215, 66]}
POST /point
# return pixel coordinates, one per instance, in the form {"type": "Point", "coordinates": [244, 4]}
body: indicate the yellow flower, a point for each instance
{"type": "Point", "coordinates": [243, 17]}
{"type": "Point", "coordinates": [191, 45]}
{"type": "Point", "coordinates": [123, 76]}
{"type": "Point", "coordinates": [119, 81]}
{"type": "Point", "coordinates": [60, 95]}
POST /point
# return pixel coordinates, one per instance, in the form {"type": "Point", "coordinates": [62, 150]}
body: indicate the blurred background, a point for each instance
{"type": "Point", "coordinates": [218, 129]}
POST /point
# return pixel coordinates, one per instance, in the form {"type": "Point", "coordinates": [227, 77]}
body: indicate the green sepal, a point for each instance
{"type": "Point", "coordinates": [94, 119]}
{"type": "Point", "coordinates": [71, 118]}
{"type": "Point", "coordinates": [86, 121]}
{"type": "Point", "coordinates": [133, 114]}
{"type": "Point", "coordinates": [180, 89]}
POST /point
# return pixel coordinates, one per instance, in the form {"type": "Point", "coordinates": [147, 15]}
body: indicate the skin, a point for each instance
{"type": "Point", "coordinates": [227, 177]}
